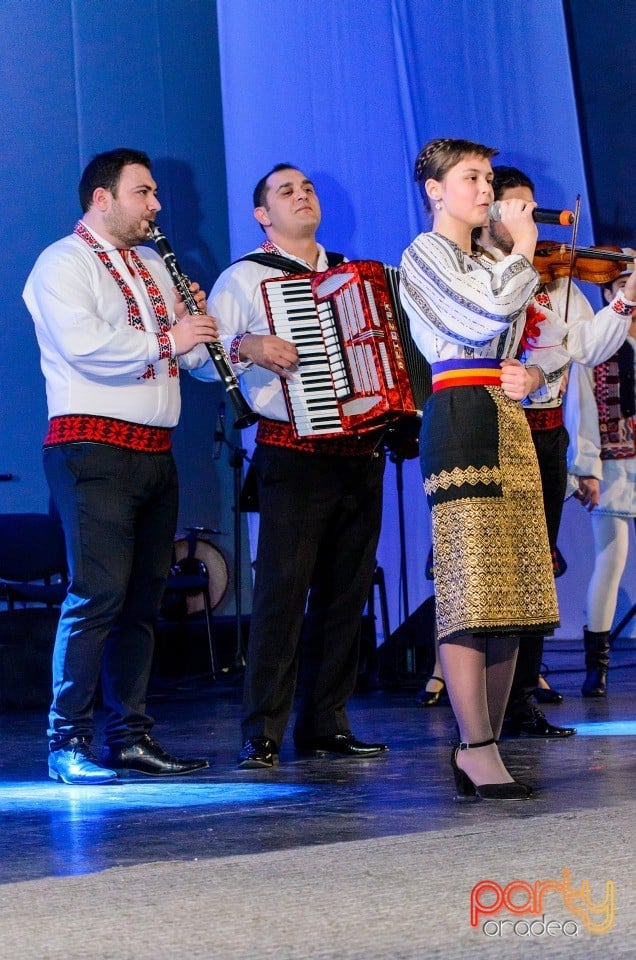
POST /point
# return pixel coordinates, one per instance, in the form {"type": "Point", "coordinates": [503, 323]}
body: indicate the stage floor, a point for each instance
{"type": "Point", "coordinates": [580, 819]}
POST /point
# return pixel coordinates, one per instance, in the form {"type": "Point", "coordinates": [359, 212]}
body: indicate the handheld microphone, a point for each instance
{"type": "Point", "coordinates": [219, 432]}
{"type": "Point", "coordinates": [539, 215]}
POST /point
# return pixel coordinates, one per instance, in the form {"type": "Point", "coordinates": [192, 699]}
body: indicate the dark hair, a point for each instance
{"type": "Point", "coordinates": [439, 156]}
{"type": "Point", "coordinates": [260, 190]}
{"type": "Point", "coordinates": [105, 169]}
{"type": "Point", "coordinates": [609, 286]}
{"type": "Point", "coordinates": [505, 178]}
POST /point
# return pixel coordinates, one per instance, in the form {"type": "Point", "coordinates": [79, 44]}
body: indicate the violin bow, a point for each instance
{"type": "Point", "coordinates": [575, 230]}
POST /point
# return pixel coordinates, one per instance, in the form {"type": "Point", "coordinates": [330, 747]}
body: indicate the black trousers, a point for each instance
{"type": "Point", "coordinates": [119, 512]}
{"type": "Point", "coordinates": [551, 446]}
{"type": "Point", "coordinates": [320, 521]}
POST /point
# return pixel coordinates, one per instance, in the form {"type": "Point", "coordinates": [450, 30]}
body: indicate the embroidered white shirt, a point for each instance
{"type": "Point", "coordinates": [93, 360]}
{"type": "Point", "coordinates": [236, 300]}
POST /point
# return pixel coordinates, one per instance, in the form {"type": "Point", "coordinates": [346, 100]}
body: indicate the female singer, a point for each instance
{"type": "Point", "coordinates": [493, 571]}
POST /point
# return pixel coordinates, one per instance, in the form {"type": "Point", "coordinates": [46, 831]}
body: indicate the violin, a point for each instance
{"type": "Point", "coordinates": [591, 264]}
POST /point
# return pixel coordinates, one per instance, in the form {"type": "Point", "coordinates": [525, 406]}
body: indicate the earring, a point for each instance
{"type": "Point", "coordinates": [438, 205]}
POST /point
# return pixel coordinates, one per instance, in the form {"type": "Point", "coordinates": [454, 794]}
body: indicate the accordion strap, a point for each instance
{"type": "Point", "coordinates": [284, 263]}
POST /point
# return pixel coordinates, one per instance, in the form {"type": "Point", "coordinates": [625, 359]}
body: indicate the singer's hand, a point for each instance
{"type": "Point", "coordinates": [192, 330]}
{"type": "Point", "coordinates": [517, 381]}
{"type": "Point", "coordinates": [270, 352]}
{"type": "Point", "coordinates": [516, 215]}
{"type": "Point", "coordinates": [589, 492]}
{"type": "Point", "coordinates": [181, 309]}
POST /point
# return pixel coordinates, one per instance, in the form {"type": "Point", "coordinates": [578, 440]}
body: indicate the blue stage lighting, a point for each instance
{"type": "Point", "coordinates": [607, 728]}
{"type": "Point", "coordinates": [100, 801]}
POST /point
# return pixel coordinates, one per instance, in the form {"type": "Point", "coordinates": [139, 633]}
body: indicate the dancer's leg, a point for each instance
{"type": "Point", "coordinates": [501, 657]}
{"type": "Point", "coordinates": [466, 664]}
{"type": "Point", "coordinates": [611, 542]}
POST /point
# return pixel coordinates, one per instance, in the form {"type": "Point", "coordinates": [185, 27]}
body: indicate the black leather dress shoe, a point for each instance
{"type": "Point", "coordinates": [541, 695]}
{"type": "Point", "coordinates": [148, 757]}
{"type": "Point", "coordinates": [258, 753]}
{"type": "Point", "coordinates": [76, 763]}
{"type": "Point", "coordinates": [344, 744]}
{"type": "Point", "coordinates": [533, 723]}
{"type": "Point", "coordinates": [546, 694]}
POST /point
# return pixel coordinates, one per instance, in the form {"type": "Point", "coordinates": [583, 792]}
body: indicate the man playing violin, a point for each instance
{"type": "Point", "coordinates": [589, 342]}
{"type": "Point", "coordinates": [601, 420]}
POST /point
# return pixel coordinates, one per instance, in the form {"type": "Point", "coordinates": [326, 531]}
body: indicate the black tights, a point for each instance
{"type": "Point", "coordinates": [478, 671]}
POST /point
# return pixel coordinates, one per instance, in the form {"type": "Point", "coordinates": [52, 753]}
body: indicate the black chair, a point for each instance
{"type": "Point", "coordinates": [33, 582]}
{"type": "Point", "coordinates": [378, 581]}
{"type": "Point", "coordinates": [33, 566]}
{"type": "Point", "coordinates": [368, 667]}
{"type": "Point", "coordinates": [197, 582]}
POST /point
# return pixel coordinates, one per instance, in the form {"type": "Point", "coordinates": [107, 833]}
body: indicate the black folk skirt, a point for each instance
{"type": "Point", "coordinates": [493, 569]}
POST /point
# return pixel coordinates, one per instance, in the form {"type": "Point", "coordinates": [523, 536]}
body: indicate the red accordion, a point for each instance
{"type": "Point", "coordinates": [358, 365]}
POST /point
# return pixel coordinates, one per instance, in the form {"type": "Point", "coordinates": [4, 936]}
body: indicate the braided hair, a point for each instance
{"type": "Point", "coordinates": [439, 156]}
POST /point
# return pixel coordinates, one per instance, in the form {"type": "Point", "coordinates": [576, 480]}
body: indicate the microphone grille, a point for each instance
{"type": "Point", "coordinates": [494, 211]}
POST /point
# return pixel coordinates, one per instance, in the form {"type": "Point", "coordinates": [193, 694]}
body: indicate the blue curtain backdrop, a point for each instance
{"type": "Point", "coordinates": [347, 90]}
{"type": "Point", "coordinates": [350, 92]}
{"type": "Point", "coordinates": [604, 67]}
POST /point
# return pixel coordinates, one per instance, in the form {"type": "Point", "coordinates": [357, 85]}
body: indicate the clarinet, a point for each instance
{"type": "Point", "coordinates": [245, 416]}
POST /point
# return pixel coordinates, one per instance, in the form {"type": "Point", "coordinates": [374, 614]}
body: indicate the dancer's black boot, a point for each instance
{"type": "Point", "coordinates": [597, 650]}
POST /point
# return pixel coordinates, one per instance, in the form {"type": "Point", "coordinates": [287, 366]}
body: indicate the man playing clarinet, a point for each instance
{"type": "Point", "coordinates": [105, 317]}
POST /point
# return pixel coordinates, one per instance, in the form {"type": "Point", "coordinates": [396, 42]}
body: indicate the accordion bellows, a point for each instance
{"type": "Point", "coordinates": [359, 367]}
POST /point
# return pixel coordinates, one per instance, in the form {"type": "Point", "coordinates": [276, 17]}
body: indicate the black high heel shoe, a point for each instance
{"type": "Point", "coordinates": [486, 791]}
{"type": "Point", "coordinates": [430, 698]}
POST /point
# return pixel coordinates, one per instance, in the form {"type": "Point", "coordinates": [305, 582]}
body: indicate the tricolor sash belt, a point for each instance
{"type": "Point", "coordinates": [466, 373]}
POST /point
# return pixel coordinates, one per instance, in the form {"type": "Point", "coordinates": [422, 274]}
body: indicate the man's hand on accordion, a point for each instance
{"type": "Point", "coordinates": [273, 353]}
